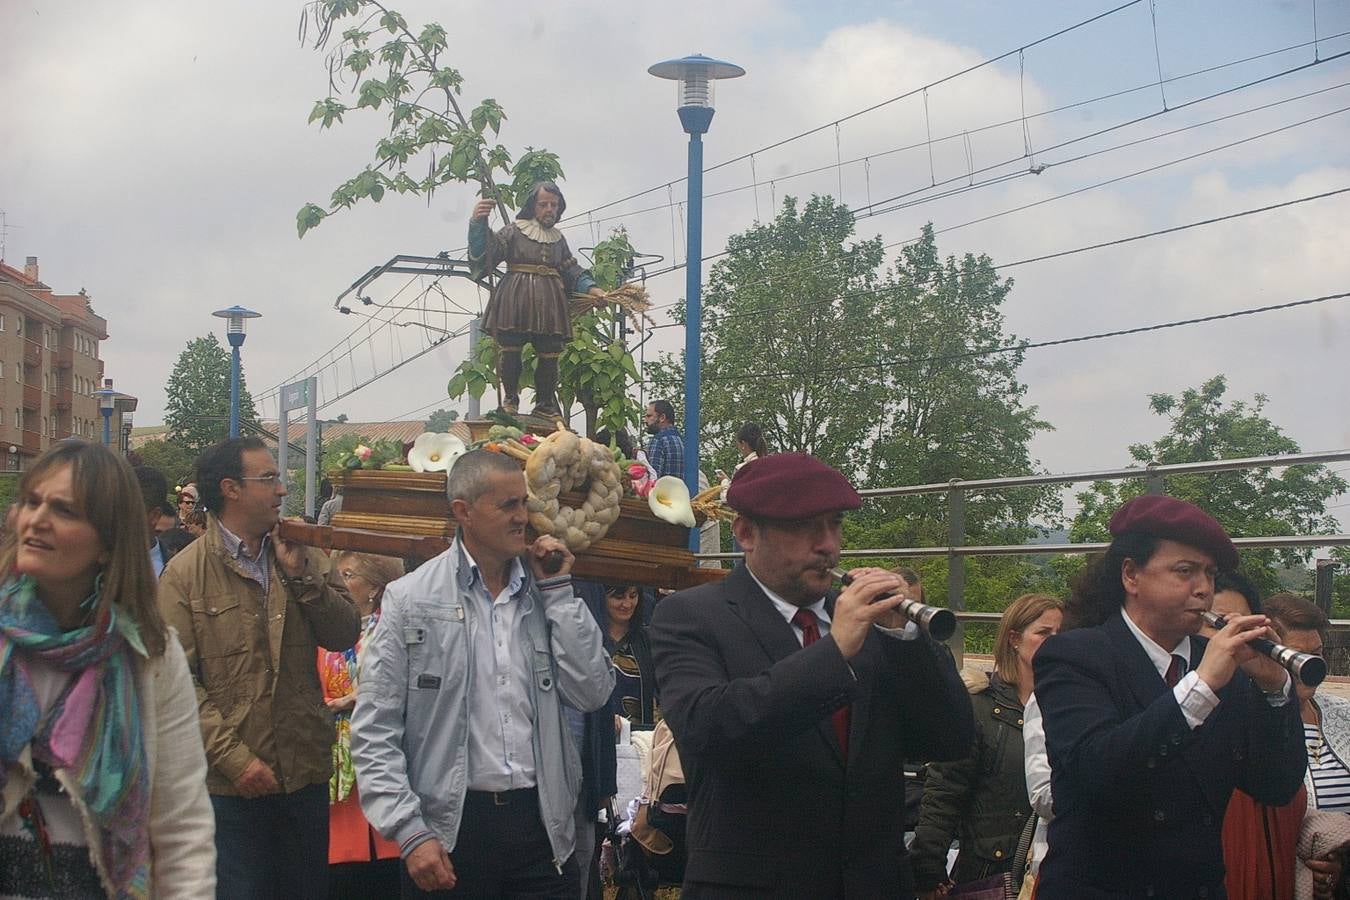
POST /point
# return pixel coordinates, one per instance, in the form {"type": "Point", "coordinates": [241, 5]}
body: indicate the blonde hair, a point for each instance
{"type": "Point", "coordinates": [108, 497]}
{"type": "Point", "coordinates": [1018, 617]}
{"type": "Point", "coordinates": [378, 570]}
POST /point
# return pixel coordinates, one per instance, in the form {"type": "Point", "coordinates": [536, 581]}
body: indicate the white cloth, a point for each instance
{"type": "Point", "coordinates": [1036, 764]}
{"type": "Point", "coordinates": [536, 232]}
{"type": "Point", "coordinates": [1321, 834]}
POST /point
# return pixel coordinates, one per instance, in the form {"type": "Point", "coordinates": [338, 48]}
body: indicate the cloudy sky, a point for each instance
{"type": "Point", "coordinates": [155, 153]}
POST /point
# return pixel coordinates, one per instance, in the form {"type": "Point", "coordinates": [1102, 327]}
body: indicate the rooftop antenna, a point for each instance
{"type": "Point", "coordinates": [4, 233]}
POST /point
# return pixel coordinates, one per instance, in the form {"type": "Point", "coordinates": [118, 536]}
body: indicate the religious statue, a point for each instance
{"type": "Point", "coordinates": [529, 305]}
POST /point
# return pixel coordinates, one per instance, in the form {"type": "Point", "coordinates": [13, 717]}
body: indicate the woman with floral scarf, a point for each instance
{"type": "Point", "coordinates": [362, 863]}
{"type": "Point", "coordinates": [101, 764]}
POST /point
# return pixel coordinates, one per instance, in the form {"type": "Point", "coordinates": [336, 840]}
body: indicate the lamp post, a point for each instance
{"type": "Point", "coordinates": [107, 402]}
{"type": "Point", "coordinates": [695, 75]}
{"type": "Point", "coordinates": [234, 333]}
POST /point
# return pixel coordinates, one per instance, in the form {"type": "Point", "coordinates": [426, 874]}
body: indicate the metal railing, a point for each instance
{"type": "Point", "coordinates": [1154, 473]}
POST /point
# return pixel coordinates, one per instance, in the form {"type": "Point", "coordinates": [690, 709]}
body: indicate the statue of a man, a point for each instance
{"type": "Point", "coordinates": [529, 303]}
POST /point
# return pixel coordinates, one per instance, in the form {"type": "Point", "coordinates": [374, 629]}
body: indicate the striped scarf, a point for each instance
{"type": "Point", "coordinates": [92, 731]}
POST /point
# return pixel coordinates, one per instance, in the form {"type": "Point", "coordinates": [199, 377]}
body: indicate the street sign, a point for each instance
{"type": "Point", "coordinates": [295, 395]}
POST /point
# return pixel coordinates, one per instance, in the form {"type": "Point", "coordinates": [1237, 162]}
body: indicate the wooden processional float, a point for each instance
{"type": "Point", "coordinates": [577, 492]}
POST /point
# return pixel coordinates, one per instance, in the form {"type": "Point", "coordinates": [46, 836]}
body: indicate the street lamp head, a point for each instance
{"type": "Point", "coordinates": [235, 316]}
{"type": "Point", "coordinates": [695, 76]}
{"type": "Point", "coordinates": [107, 397]}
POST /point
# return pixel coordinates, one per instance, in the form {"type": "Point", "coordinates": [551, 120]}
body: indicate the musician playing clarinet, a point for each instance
{"type": "Point", "coordinates": [1150, 727]}
{"type": "Point", "coordinates": [793, 707]}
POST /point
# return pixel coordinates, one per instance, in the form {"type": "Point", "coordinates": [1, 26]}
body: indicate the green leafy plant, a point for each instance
{"type": "Point", "coordinates": [381, 63]}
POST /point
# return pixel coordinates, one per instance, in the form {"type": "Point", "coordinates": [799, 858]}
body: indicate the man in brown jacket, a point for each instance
{"type": "Point", "coordinates": [251, 610]}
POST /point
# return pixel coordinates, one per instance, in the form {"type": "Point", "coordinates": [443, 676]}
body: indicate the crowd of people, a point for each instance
{"type": "Point", "coordinates": [233, 714]}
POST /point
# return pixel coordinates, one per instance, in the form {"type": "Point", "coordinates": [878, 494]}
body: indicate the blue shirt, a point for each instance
{"type": "Point", "coordinates": [666, 452]}
{"type": "Point", "coordinates": [259, 567]}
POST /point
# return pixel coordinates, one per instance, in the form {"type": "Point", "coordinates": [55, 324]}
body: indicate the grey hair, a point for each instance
{"type": "Point", "coordinates": [468, 479]}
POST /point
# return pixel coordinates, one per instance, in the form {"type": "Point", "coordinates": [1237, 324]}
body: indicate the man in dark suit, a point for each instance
{"type": "Point", "coordinates": [793, 708]}
{"type": "Point", "coordinates": [1150, 727]}
{"type": "Point", "coordinates": [155, 491]}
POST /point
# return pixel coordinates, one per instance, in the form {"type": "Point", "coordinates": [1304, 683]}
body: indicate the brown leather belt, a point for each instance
{"type": "Point", "coordinates": [533, 270]}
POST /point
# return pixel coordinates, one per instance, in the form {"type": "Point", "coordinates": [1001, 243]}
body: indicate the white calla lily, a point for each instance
{"type": "Point", "coordinates": [669, 501]}
{"type": "Point", "coordinates": [435, 452]}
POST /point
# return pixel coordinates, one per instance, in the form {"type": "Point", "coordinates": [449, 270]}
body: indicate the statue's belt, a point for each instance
{"type": "Point", "coordinates": [533, 270]}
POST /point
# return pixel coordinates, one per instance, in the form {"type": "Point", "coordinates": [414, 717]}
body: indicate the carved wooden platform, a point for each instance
{"type": "Point", "coordinates": [407, 514]}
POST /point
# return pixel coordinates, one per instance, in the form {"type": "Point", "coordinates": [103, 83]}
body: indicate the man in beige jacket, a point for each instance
{"type": "Point", "coordinates": [251, 609]}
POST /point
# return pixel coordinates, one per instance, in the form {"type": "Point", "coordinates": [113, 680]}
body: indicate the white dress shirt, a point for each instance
{"type": "Point", "coordinates": [785, 609]}
{"type": "Point", "coordinates": [501, 714]}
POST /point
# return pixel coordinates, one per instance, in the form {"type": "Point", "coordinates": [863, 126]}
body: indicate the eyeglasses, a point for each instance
{"type": "Point", "coordinates": [185, 499]}
{"type": "Point", "coordinates": [272, 479]}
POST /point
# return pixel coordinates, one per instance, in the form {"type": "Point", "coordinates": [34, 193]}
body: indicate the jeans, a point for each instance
{"type": "Point", "coordinates": [273, 847]}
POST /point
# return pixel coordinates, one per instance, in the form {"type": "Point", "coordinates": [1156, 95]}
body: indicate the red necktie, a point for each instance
{"type": "Point", "coordinates": [1175, 671]}
{"type": "Point", "coordinates": [809, 624]}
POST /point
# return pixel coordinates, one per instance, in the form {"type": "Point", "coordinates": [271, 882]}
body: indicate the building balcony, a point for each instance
{"type": "Point", "coordinates": [65, 358]}
{"type": "Point", "coordinates": [32, 441]}
{"type": "Point", "coordinates": [32, 353]}
{"type": "Point", "coordinates": [32, 397]}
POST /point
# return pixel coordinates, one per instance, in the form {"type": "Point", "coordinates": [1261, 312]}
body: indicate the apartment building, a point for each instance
{"type": "Point", "coordinates": [49, 367]}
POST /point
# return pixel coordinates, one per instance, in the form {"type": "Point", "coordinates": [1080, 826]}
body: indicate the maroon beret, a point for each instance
{"type": "Point", "coordinates": [1176, 520]}
{"type": "Point", "coordinates": [789, 486]}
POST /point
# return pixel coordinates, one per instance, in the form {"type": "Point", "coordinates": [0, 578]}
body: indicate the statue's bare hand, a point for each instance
{"type": "Point", "coordinates": [483, 208]}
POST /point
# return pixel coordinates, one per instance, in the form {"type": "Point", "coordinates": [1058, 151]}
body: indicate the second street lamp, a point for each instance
{"type": "Point", "coordinates": [234, 333]}
{"type": "Point", "coordinates": [695, 75]}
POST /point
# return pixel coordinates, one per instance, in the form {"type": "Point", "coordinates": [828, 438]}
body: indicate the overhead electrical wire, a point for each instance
{"type": "Point", "coordinates": [714, 316]}
{"type": "Point", "coordinates": [1028, 345]}
{"type": "Point", "coordinates": [1041, 202]}
{"type": "Point", "coordinates": [755, 184]}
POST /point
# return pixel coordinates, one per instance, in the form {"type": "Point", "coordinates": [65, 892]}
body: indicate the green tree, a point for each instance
{"type": "Point", "coordinates": [175, 462]}
{"type": "Point", "coordinates": [440, 420]}
{"type": "Point", "coordinates": [380, 62]}
{"type": "Point", "coordinates": [782, 312]}
{"type": "Point", "coordinates": [1250, 502]}
{"type": "Point", "coordinates": [889, 376]}
{"type": "Point", "coordinates": [892, 376]}
{"type": "Point", "coordinates": [197, 409]}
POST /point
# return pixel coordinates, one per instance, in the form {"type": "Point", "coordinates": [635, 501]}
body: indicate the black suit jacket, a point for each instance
{"type": "Point", "coordinates": [773, 809]}
{"type": "Point", "coordinates": [1139, 796]}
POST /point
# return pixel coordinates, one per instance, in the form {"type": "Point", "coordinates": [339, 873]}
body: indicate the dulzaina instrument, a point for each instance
{"type": "Point", "coordinates": [1310, 670]}
{"type": "Point", "coordinates": [938, 622]}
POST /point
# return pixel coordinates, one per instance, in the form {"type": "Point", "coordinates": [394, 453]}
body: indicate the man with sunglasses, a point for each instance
{"type": "Point", "coordinates": [251, 609]}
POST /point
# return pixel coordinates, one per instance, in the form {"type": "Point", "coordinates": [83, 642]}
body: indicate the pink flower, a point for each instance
{"type": "Point", "coordinates": [642, 479]}
{"type": "Point", "coordinates": [362, 452]}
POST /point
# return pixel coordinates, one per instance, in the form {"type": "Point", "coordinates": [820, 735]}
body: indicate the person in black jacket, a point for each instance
{"type": "Point", "coordinates": [982, 798]}
{"type": "Point", "coordinates": [792, 709]}
{"type": "Point", "coordinates": [1149, 727]}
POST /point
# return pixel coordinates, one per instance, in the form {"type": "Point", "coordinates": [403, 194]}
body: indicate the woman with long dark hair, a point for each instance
{"type": "Point", "coordinates": [101, 762]}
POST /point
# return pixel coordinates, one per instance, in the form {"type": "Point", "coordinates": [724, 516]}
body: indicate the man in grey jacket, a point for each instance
{"type": "Point", "coordinates": [462, 752]}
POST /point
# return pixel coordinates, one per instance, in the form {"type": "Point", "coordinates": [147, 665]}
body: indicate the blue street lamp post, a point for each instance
{"type": "Point", "coordinates": [234, 333]}
{"type": "Point", "coordinates": [107, 402]}
{"type": "Point", "coordinates": [695, 75]}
